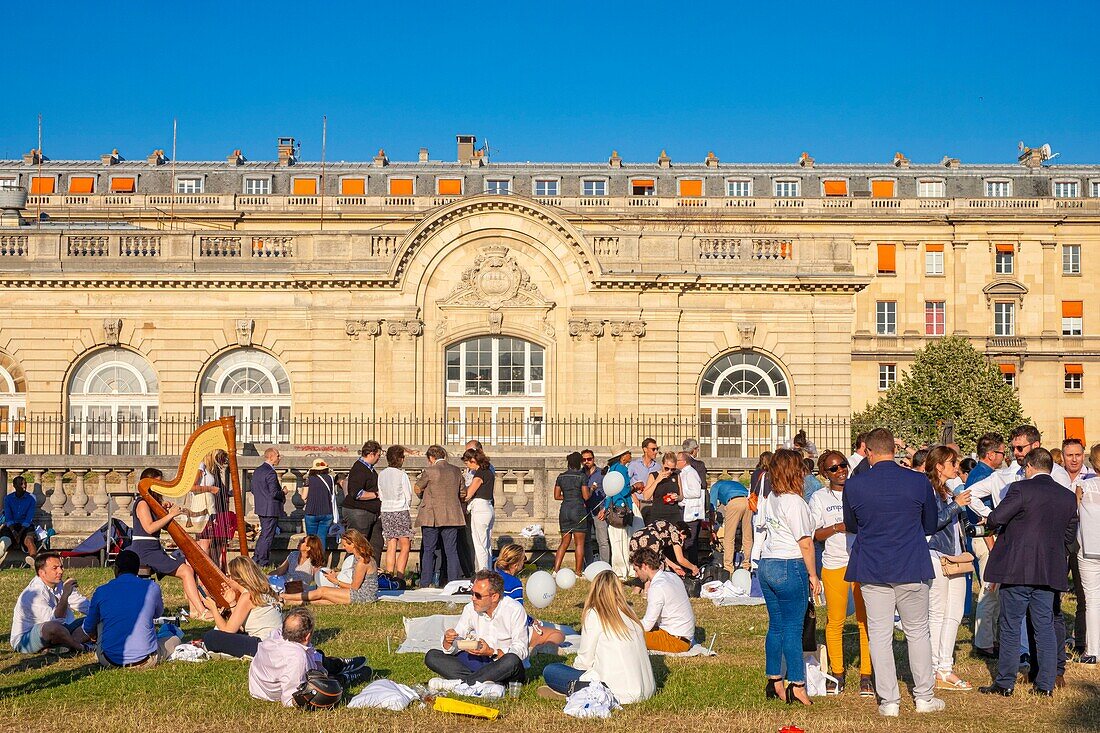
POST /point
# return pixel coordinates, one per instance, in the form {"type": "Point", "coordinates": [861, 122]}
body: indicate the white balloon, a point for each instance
{"type": "Point", "coordinates": [613, 483]}
{"type": "Point", "coordinates": [541, 589]}
{"type": "Point", "coordinates": [595, 569]}
{"type": "Point", "coordinates": [565, 578]}
{"type": "Point", "coordinates": [742, 579]}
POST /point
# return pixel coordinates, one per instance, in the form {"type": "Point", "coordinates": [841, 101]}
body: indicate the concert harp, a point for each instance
{"type": "Point", "coordinates": [221, 433]}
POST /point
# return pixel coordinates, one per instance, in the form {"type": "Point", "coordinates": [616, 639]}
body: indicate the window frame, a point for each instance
{"type": "Point", "coordinates": [941, 182]}
{"type": "Point", "coordinates": [887, 376]}
{"type": "Point", "coordinates": [316, 185]}
{"type": "Point", "coordinates": [1094, 188]}
{"type": "Point", "coordinates": [44, 177]}
{"type": "Point", "coordinates": [988, 185]}
{"type": "Point", "coordinates": [931, 258]}
{"type": "Point", "coordinates": [95, 183]}
{"type": "Point", "coordinates": [1073, 326]}
{"type": "Point", "coordinates": [1073, 251]}
{"type": "Point", "coordinates": [352, 177]}
{"type": "Point", "coordinates": [1056, 182]}
{"type": "Point", "coordinates": [847, 188]}
{"type": "Point", "coordinates": [777, 182]}
{"type": "Point", "coordinates": [879, 179]}
{"type": "Point", "coordinates": [9, 181]}
{"type": "Point", "coordinates": [246, 180]}
{"type": "Point", "coordinates": [390, 180]}
{"type": "Point", "coordinates": [1072, 380]}
{"type": "Point", "coordinates": [594, 181]}
{"type": "Point", "coordinates": [200, 178]}
{"type": "Point", "coordinates": [1001, 327]}
{"type": "Point", "coordinates": [691, 179]}
{"type": "Point", "coordinates": [937, 309]}
{"type": "Point", "coordinates": [1004, 263]}
{"type": "Point", "coordinates": [746, 181]}
{"type": "Point", "coordinates": [507, 181]}
{"type": "Point", "coordinates": [461, 185]}
{"type": "Point", "coordinates": [886, 318]}
{"type": "Point", "coordinates": [122, 176]}
{"type": "Point", "coordinates": [535, 187]}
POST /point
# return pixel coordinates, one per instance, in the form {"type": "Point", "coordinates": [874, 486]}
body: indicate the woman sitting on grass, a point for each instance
{"type": "Point", "coordinates": [254, 614]}
{"type": "Point", "coordinates": [363, 587]}
{"type": "Point", "coordinates": [612, 652]}
{"type": "Point", "coordinates": [303, 563]}
{"type": "Point", "coordinates": [509, 565]}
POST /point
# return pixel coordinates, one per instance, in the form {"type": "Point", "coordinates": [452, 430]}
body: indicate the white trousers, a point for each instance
{"type": "Point", "coordinates": [1090, 583]}
{"type": "Point", "coordinates": [946, 600]}
{"type": "Point", "coordinates": [481, 528]}
{"type": "Point", "coordinates": [620, 547]}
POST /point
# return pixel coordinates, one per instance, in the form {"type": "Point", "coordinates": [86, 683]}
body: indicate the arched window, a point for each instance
{"type": "Point", "coordinates": [13, 407]}
{"type": "Point", "coordinates": [252, 386]}
{"type": "Point", "coordinates": [495, 390]}
{"type": "Point", "coordinates": [113, 405]}
{"type": "Point", "coordinates": [744, 405]}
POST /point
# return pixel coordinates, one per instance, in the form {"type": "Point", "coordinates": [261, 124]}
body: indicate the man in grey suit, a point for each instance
{"type": "Point", "coordinates": [267, 497]}
{"type": "Point", "coordinates": [440, 516]}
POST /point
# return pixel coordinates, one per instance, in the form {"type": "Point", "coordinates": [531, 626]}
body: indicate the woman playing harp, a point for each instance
{"type": "Point", "coordinates": [213, 499]}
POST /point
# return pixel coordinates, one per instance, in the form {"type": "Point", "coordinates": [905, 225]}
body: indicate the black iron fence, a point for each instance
{"type": "Point", "coordinates": [720, 436]}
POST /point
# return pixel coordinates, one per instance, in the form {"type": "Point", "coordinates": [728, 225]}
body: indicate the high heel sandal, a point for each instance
{"type": "Point", "coordinates": [791, 699]}
{"type": "Point", "coordinates": [769, 688]}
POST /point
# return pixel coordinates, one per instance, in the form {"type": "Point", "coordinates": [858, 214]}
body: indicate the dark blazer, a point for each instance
{"type": "Point", "coordinates": [267, 493]}
{"type": "Point", "coordinates": [890, 510]}
{"type": "Point", "coordinates": [1039, 517]}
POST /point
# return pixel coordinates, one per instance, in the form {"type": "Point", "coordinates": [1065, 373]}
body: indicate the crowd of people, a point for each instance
{"type": "Point", "coordinates": [892, 532]}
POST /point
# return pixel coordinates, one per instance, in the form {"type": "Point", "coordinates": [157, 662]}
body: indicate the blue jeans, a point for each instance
{"type": "Point", "coordinates": [563, 678]}
{"type": "Point", "coordinates": [318, 524]}
{"type": "Point", "coordinates": [786, 588]}
{"type": "Point", "coordinates": [1017, 601]}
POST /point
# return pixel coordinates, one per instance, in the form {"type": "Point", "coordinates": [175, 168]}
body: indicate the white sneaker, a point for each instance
{"type": "Point", "coordinates": [889, 709]}
{"type": "Point", "coordinates": [931, 705]}
{"type": "Point", "coordinates": [29, 559]}
{"type": "Point", "coordinates": [438, 684]}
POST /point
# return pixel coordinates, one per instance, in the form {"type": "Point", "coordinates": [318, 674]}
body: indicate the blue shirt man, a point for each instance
{"type": "Point", "coordinates": [19, 506]}
{"type": "Point", "coordinates": [120, 616]}
{"type": "Point", "coordinates": [722, 491]}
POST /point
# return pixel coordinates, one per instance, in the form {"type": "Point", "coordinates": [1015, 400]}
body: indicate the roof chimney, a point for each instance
{"type": "Point", "coordinates": [1030, 157]}
{"type": "Point", "coordinates": [423, 155]}
{"type": "Point", "coordinates": [805, 160]}
{"type": "Point", "coordinates": [466, 148]}
{"type": "Point", "coordinates": [235, 158]}
{"type": "Point", "coordinates": [949, 162]}
{"type": "Point", "coordinates": [663, 160]}
{"type": "Point", "coordinates": [615, 161]}
{"type": "Point", "coordinates": [711, 160]}
{"type": "Point", "coordinates": [900, 161]}
{"type": "Point", "coordinates": [34, 157]}
{"type": "Point", "coordinates": [156, 158]}
{"type": "Point", "coordinates": [111, 158]}
{"type": "Point", "coordinates": [288, 151]}
{"type": "Point", "coordinates": [381, 159]}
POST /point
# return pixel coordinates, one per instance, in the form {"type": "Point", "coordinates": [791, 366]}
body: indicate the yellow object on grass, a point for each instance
{"type": "Point", "coordinates": [449, 705]}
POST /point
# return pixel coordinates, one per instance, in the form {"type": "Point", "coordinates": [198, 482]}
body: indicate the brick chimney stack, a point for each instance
{"type": "Point", "coordinates": [288, 151]}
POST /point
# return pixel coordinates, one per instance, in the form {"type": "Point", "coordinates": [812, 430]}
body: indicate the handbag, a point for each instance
{"type": "Point", "coordinates": [955, 565]}
{"type": "Point", "coordinates": [809, 628]}
{"type": "Point", "coordinates": [620, 517]}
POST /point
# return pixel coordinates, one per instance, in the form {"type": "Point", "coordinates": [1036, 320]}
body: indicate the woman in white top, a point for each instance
{"type": "Point", "coordinates": [788, 575]}
{"type": "Point", "coordinates": [612, 652]}
{"type": "Point", "coordinates": [828, 514]}
{"type": "Point", "coordinates": [947, 596]}
{"type": "Point", "coordinates": [255, 612]}
{"type": "Point", "coordinates": [395, 491]}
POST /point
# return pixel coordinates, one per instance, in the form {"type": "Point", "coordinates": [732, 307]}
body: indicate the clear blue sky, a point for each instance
{"type": "Point", "coordinates": [558, 81]}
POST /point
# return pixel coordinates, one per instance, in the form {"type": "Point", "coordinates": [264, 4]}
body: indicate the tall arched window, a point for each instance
{"type": "Point", "coordinates": [495, 390]}
{"type": "Point", "coordinates": [13, 407]}
{"type": "Point", "coordinates": [252, 386]}
{"type": "Point", "coordinates": [744, 405]}
{"type": "Point", "coordinates": [113, 405]}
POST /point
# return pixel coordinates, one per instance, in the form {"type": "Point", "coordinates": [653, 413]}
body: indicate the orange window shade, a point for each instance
{"type": "Point", "coordinates": [304, 187]}
{"type": "Point", "coordinates": [887, 258]}
{"type": "Point", "coordinates": [645, 183]}
{"type": "Point", "coordinates": [836, 188]}
{"type": "Point", "coordinates": [122, 185]}
{"type": "Point", "coordinates": [81, 184]}
{"type": "Point", "coordinates": [1072, 309]}
{"type": "Point", "coordinates": [1075, 428]}
{"type": "Point", "coordinates": [42, 184]}
{"type": "Point", "coordinates": [1007, 368]}
{"type": "Point", "coordinates": [882, 189]}
{"type": "Point", "coordinates": [353, 187]}
{"type": "Point", "coordinates": [933, 248]}
{"type": "Point", "coordinates": [691, 188]}
{"type": "Point", "coordinates": [401, 187]}
{"type": "Point", "coordinates": [1006, 248]}
{"type": "Point", "coordinates": [450, 186]}
{"type": "Point", "coordinates": [1075, 368]}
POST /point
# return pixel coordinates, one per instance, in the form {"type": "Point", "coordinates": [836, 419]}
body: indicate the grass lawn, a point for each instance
{"type": "Point", "coordinates": [702, 694]}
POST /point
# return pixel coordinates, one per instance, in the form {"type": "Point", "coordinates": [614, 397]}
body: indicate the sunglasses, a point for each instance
{"type": "Point", "coordinates": [836, 467]}
{"type": "Point", "coordinates": [480, 596]}
{"type": "Point", "coordinates": [588, 460]}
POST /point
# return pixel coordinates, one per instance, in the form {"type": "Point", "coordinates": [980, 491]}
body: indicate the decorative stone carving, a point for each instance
{"type": "Point", "coordinates": [496, 321]}
{"type": "Point", "coordinates": [583, 327]}
{"type": "Point", "coordinates": [409, 327]}
{"type": "Point", "coordinates": [112, 330]}
{"type": "Point", "coordinates": [497, 280]}
{"type": "Point", "coordinates": [371, 328]}
{"type": "Point", "coordinates": [626, 328]}
{"type": "Point", "coordinates": [441, 328]}
{"type": "Point", "coordinates": [548, 328]}
{"type": "Point", "coordinates": [746, 331]}
{"type": "Point", "coordinates": [245, 326]}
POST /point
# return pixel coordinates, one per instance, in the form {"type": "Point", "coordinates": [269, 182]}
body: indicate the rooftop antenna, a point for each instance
{"type": "Point", "coordinates": [38, 216]}
{"type": "Point", "coordinates": [485, 147]}
{"type": "Point", "coordinates": [1045, 154]}
{"type": "Point", "coordinates": [172, 211]}
{"type": "Point", "coordinates": [324, 140]}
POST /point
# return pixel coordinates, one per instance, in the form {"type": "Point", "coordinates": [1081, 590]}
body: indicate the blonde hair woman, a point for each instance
{"type": "Point", "coordinates": [211, 516]}
{"type": "Point", "coordinates": [509, 565]}
{"type": "Point", "coordinates": [255, 612]}
{"type": "Point", "coordinates": [363, 587]}
{"type": "Point", "coordinates": [612, 652]}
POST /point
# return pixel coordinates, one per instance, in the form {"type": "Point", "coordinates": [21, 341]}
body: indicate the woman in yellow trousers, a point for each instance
{"type": "Point", "coordinates": [828, 513]}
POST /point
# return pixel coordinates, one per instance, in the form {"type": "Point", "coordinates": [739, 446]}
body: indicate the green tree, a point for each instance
{"type": "Point", "coordinates": [950, 381]}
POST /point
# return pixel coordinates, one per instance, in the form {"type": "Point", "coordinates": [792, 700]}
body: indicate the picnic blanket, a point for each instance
{"type": "Point", "coordinates": [697, 650]}
{"type": "Point", "coordinates": [426, 632]}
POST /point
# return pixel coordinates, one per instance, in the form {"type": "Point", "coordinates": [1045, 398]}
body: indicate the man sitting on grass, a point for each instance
{"type": "Point", "coordinates": [121, 617]}
{"type": "Point", "coordinates": [285, 657]}
{"type": "Point", "coordinates": [669, 621]}
{"type": "Point", "coordinates": [489, 642]}
{"type": "Point", "coordinates": [43, 614]}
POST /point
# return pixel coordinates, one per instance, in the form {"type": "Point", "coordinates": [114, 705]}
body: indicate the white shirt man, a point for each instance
{"type": "Point", "coordinates": [691, 489]}
{"type": "Point", "coordinates": [281, 663]}
{"type": "Point", "coordinates": [43, 614]}
{"type": "Point", "coordinates": [669, 620]}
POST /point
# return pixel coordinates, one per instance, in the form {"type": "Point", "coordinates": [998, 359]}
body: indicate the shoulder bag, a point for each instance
{"type": "Point", "coordinates": [956, 565]}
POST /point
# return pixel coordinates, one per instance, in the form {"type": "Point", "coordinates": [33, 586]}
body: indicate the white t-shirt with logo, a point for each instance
{"type": "Point", "coordinates": [827, 510]}
{"type": "Point", "coordinates": [788, 520]}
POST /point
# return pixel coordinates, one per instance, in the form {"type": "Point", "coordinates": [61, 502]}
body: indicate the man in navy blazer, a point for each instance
{"type": "Point", "coordinates": [267, 498]}
{"type": "Point", "coordinates": [1028, 561]}
{"type": "Point", "coordinates": [890, 510]}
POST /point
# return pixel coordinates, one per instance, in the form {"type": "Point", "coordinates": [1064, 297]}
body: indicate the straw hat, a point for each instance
{"type": "Point", "coordinates": [618, 451]}
{"type": "Point", "coordinates": [319, 464]}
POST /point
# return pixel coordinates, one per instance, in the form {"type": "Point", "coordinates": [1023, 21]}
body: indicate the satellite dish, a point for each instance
{"type": "Point", "coordinates": [1044, 152]}
{"type": "Point", "coordinates": [1020, 146]}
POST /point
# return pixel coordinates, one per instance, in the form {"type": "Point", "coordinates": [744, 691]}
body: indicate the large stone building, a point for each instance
{"type": "Point", "coordinates": [507, 298]}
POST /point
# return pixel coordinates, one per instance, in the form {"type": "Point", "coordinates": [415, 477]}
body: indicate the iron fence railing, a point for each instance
{"type": "Point", "coordinates": [722, 437]}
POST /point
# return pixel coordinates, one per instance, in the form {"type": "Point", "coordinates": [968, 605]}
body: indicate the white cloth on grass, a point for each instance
{"type": "Point", "coordinates": [385, 694]}
{"type": "Point", "coordinates": [727, 594]}
{"type": "Point", "coordinates": [189, 653]}
{"type": "Point", "coordinates": [594, 701]}
{"type": "Point", "coordinates": [482, 690]}
{"type": "Point", "coordinates": [697, 650]}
